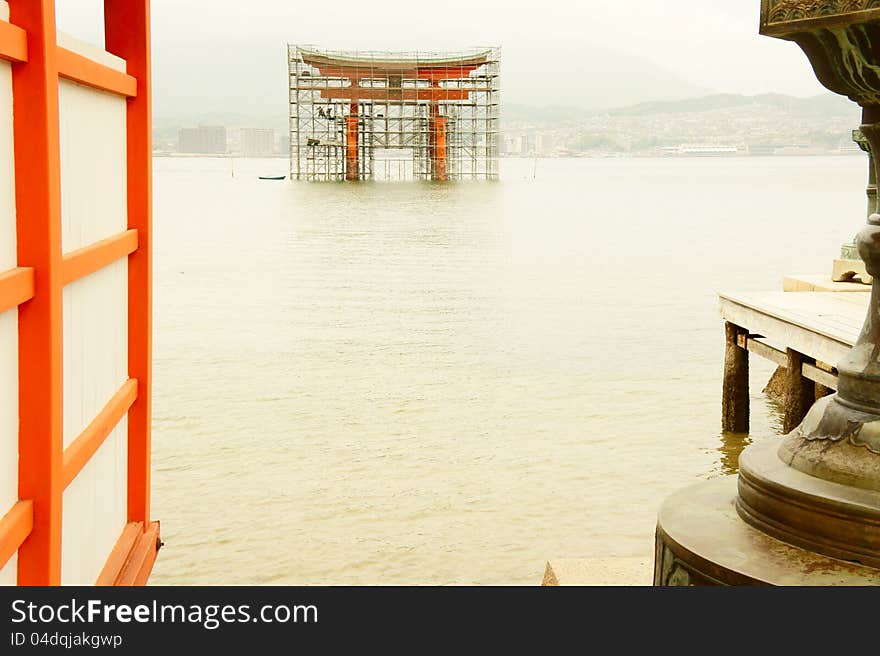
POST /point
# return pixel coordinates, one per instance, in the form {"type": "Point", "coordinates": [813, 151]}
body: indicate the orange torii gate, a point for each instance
{"type": "Point", "coordinates": [355, 80]}
{"type": "Point", "coordinates": [397, 73]}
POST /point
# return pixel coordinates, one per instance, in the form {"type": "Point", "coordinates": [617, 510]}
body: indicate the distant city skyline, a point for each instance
{"type": "Point", "coordinates": [725, 124]}
{"type": "Point", "coordinates": [229, 56]}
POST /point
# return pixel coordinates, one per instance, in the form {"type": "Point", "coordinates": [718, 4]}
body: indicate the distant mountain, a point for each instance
{"type": "Point", "coordinates": [824, 105]}
{"type": "Point", "coordinates": [532, 113]}
{"type": "Point", "coordinates": [827, 104]}
{"type": "Point", "coordinates": [587, 75]}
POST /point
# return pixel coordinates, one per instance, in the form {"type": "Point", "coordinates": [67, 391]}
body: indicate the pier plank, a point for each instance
{"type": "Point", "coordinates": [821, 325]}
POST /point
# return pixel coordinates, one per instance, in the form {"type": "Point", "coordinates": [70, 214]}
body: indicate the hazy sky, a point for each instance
{"type": "Point", "coordinates": [229, 55]}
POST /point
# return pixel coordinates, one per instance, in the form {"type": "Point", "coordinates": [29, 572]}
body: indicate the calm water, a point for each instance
{"type": "Point", "coordinates": [451, 384]}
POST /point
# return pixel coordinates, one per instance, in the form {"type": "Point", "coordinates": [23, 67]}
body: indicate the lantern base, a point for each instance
{"type": "Point", "coordinates": [702, 540]}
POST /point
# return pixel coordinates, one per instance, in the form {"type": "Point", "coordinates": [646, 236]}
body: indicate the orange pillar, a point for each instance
{"type": "Point", "coordinates": [437, 143]}
{"type": "Point", "coordinates": [127, 35]}
{"type": "Point", "coordinates": [38, 218]}
{"type": "Point", "coordinates": [352, 169]}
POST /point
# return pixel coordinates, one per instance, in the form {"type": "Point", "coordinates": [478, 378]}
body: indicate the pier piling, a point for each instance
{"type": "Point", "coordinates": [800, 393]}
{"type": "Point", "coordinates": [735, 396]}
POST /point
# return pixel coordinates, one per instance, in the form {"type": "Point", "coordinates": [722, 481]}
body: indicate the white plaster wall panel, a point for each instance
{"type": "Point", "coordinates": [95, 367]}
{"type": "Point", "coordinates": [95, 511]}
{"type": "Point", "coordinates": [8, 426]}
{"type": "Point", "coordinates": [8, 319]}
{"type": "Point", "coordinates": [93, 165]}
{"type": "Point", "coordinates": [95, 362]}
{"type": "Point", "coordinates": [9, 573]}
{"type": "Point", "coordinates": [8, 410]}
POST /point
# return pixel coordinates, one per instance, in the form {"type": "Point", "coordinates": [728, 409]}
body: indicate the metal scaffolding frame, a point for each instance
{"type": "Point", "coordinates": [393, 115]}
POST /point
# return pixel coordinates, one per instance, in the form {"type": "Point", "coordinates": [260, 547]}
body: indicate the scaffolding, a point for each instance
{"type": "Point", "coordinates": [393, 115]}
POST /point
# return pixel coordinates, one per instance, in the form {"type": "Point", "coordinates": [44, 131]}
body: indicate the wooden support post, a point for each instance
{"type": "Point", "coordinates": [438, 149]}
{"type": "Point", "coordinates": [735, 394]}
{"type": "Point", "coordinates": [800, 393]}
{"type": "Point", "coordinates": [821, 391]}
{"type": "Point", "coordinates": [127, 34]}
{"type": "Point", "coordinates": [352, 165]}
{"type": "Point", "coordinates": [40, 320]}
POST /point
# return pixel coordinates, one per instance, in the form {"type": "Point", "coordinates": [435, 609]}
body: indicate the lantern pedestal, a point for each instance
{"type": "Point", "coordinates": [804, 510]}
{"type": "Point", "coordinates": [702, 540]}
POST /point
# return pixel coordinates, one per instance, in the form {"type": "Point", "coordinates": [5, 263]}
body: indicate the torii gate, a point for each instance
{"type": "Point", "coordinates": [396, 72]}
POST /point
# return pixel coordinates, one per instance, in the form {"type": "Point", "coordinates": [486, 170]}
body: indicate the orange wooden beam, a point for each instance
{"type": "Point", "coordinates": [16, 287]}
{"type": "Point", "coordinates": [137, 568]}
{"type": "Point", "coordinates": [90, 440]}
{"type": "Point", "coordinates": [85, 261]}
{"type": "Point", "coordinates": [365, 93]}
{"type": "Point", "coordinates": [462, 73]}
{"type": "Point", "coordinates": [354, 73]}
{"type": "Point", "coordinates": [15, 527]}
{"type": "Point", "coordinates": [127, 35]}
{"type": "Point", "coordinates": [423, 73]}
{"type": "Point", "coordinates": [13, 42]}
{"type": "Point", "coordinates": [132, 558]}
{"type": "Point", "coordinates": [40, 320]}
{"type": "Point", "coordinates": [75, 67]}
{"type": "Point", "coordinates": [120, 554]}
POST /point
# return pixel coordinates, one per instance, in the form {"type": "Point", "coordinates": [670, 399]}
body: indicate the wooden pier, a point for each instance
{"type": "Point", "coordinates": [805, 333]}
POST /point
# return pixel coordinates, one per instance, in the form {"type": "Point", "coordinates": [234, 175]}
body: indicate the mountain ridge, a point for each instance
{"type": "Point", "coordinates": [819, 105]}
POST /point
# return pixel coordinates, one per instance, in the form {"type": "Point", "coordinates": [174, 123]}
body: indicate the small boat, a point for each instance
{"type": "Point", "coordinates": [272, 177]}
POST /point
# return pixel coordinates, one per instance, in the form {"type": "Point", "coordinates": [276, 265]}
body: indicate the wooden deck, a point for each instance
{"type": "Point", "coordinates": [807, 333]}
{"type": "Point", "coordinates": [822, 325]}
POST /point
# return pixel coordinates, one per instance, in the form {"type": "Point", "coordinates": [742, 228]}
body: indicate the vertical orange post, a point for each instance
{"type": "Point", "coordinates": [438, 134]}
{"type": "Point", "coordinates": [437, 143]}
{"type": "Point", "coordinates": [38, 218]}
{"type": "Point", "coordinates": [352, 168]}
{"type": "Point", "coordinates": [127, 35]}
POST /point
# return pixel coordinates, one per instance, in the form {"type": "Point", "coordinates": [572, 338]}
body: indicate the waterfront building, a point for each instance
{"type": "Point", "coordinates": [203, 140]}
{"type": "Point", "coordinates": [257, 142]}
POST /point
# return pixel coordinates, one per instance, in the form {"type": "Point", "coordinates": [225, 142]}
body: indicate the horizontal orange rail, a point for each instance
{"type": "Point", "coordinates": [75, 67]}
{"type": "Point", "coordinates": [13, 42]}
{"type": "Point", "coordinates": [15, 527]}
{"type": "Point", "coordinates": [356, 94]}
{"type": "Point", "coordinates": [85, 261]}
{"type": "Point", "coordinates": [119, 556]}
{"type": "Point", "coordinates": [132, 558]}
{"type": "Point", "coordinates": [16, 287]}
{"type": "Point", "coordinates": [140, 561]}
{"type": "Point", "coordinates": [90, 440]}
{"type": "Point", "coordinates": [406, 73]}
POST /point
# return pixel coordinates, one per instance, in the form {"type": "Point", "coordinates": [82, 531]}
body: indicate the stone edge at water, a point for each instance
{"type": "Point", "coordinates": [601, 571]}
